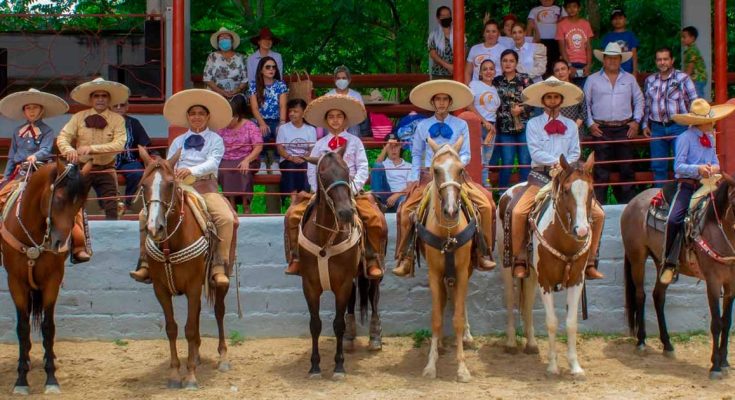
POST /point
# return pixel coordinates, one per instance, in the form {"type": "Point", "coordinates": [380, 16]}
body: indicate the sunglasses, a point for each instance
{"type": "Point", "coordinates": [269, 66]}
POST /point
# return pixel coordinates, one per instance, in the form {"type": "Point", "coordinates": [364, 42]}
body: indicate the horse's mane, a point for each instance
{"type": "Point", "coordinates": [719, 205]}
{"type": "Point", "coordinates": [72, 183]}
{"type": "Point", "coordinates": [446, 148]}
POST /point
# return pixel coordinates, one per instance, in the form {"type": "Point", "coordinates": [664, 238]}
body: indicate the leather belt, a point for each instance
{"type": "Point", "coordinates": [613, 123]}
{"type": "Point", "coordinates": [545, 170]}
{"type": "Point", "coordinates": [664, 124]}
{"type": "Point", "coordinates": [690, 181]}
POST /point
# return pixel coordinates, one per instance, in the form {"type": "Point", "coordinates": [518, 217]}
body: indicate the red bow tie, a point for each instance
{"type": "Point", "coordinates": [704, 141]}
{"type": "Point", "coordinates": [337, 142]}
{"type": "Point", "coordinates": [555, 127]}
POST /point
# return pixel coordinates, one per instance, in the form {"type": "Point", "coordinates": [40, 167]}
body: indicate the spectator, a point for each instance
{"type": "Point", "coordinates": [666, 93]}
{"type": "Point", "coordinates": [489, 48]}
{"type": "Point", "coordinates": [576, 112]}
{"type": "Point", "coordinates": [390, 174]}
{"type": "Point", "coordinates": [693, 63]}
{"type": "Point", "coordinates": [295, 140]}
{"type": "Point", "coordinates": [263, 41]}
{"type": "Point", "coordinates": [243, 144]}
{"type": "Point", "coordinates": [615, 112]}
{"type": "Point", "coordinates": [506, 34]}
{"type": "Point", "coordinates": [441, 45]}
{"type": "Point", "coordinates": [485, 105]}
{"type": "Point", "coordinates": [574, 34]}
{"type": "Point", "coordinates": [512, 117]}
{"type": "Point", "coordinates": [225, 71]}
{"type": "Point", "coordinates": [342, 79]}
{"type": "Point", "coordinates": [542, 26]}
{"type": "Point", "coordinates": [625, 38]}
{"type": "Point", "coordinates": [128, 162]}
{"type": "Point", "coordinates": [531, 56]}
{"type": "Point", "coordinates": [268, 98]}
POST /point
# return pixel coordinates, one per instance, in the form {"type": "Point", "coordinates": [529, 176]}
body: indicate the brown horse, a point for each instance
{"type": "Point", "coordinates": [35, 242]}
{"type": "Point", "coordinates": [177, 249]}
{"type": "Point", "coordinates": [716, 265]}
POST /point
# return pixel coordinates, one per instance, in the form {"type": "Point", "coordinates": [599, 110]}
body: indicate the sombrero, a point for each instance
{"type": "Point", "coordinates": [12, 105]}
{"type": "Point", "coordinates": [317, 109]}
{"type": "Point", "coordinates": [213, 40]}
{"type": "Point", "coordinates": [265, 33]}
{"type": "Point", "coordinates": [118, 92]}
{"type": "Point", "coordinates": [700, 112]}
{"type": "Point", "coordinates": [422, 94]}
{"type": "Point", "coordinates": [572, 93]}
{"type": "Point", "coordinates": [613, 49]}
{"type": "Point", "coordinates": [220, 112]}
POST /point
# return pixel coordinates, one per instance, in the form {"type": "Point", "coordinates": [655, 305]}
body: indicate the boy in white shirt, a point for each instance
{"type": "Point", "coordinates": [294, 142]}
{"type": "Point", "coordinates": [390, 174]}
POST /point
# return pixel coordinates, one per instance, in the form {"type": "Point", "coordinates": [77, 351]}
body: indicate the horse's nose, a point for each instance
{"type": "Point", "coordinates": [581, 231]}
{"type": "Point", "coordinates": [345, 215]}
{"type": "Point", "coordinates": [450, 212]}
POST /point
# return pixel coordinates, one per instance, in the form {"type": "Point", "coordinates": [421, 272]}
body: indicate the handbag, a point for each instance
{"type": "Point", "coordinates": [300, 88]}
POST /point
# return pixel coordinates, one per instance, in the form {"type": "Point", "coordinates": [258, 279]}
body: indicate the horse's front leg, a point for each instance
{"type": "Point", "coordinates": [438, 300]}
{"type": "Point", "coordinates": [551, 325]}
{"type": "Point", "coordinates": [510, 306]}
{"type": "Point", "coordinates": [460, 317]}
{"type": "Point", "coordinates": [573, 296]}
{"type": "Point", "coordinates": [714, 289]}
{"type": "Point", "coordinates": [312, 295]}
{"type": "Point", "coordinates": [48, 330]}
{"type": "Point", "coordinates": [223, 365]}
{"type": "Point", "coordinates": [20, 293]}
{"type": "Point", "coordinates": [172, 331]}
{"type": "Point", "coordinates": [528, 298]}
{"type": "Point", "coordinates": [194, 303]}
{"type": "Point", "coordinates": [342, 298]}
{"type": "Point", "coordinates": [659, 302]}
{"type": "Point", "coordinates": [727, 304]}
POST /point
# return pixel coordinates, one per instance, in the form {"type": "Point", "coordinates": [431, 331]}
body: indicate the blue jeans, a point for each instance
{"type": "Point", "coordinates": [663, 148]}
{"type": "Point", "coordinates": [700, 87]}
{"type": "Point", "coordinates": [487, 152]}
{"type": "Point", "coordinates": [379, 183]}
{"type": "Point", "coordinates": [506, 155]}
{"type": "Point", "coordinates": [132, 179]}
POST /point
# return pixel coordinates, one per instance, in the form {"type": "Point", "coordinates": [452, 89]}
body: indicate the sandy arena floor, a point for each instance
{"type": "Point", "coordinates": [276, 368]}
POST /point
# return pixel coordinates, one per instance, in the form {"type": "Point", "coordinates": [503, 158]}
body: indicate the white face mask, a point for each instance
{"type": "Point", "coordinates": [342, 84]}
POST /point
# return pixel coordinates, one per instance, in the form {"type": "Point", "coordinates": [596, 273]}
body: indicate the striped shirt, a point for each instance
{"type": "Point", "coordinates": [666, 97]}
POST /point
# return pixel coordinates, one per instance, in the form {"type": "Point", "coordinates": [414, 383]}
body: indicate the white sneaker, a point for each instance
{"type": "Point", "coordinates": [275, 169]}
{"type": "Point", "coordinates": [262, 169]}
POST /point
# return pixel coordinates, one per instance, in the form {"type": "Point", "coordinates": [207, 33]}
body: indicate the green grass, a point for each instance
{"type": "Point", "coordinates": [420, 336]}
{"type": "Point", "coordinates": [120, 342]}
{"type": "Point", "coordinates": [236, 338]}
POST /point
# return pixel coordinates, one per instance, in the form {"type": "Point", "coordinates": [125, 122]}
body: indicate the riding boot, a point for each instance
{"type": "Point", "coordinates": [79, 252]}
{"type": "Point", "coordinates": [406, 260]}
{"type": "Point", "coordinates": [591, 273]}
{"type": "Point", "coordinates": [141, 273]}
{"type": "Point", "coordinates": [670, 270]}
{"type": "Point", "coordinates": [520, 266]}
{"type": "Point", "coordinates": [219, 276]}
{"type": "Point", "coordinates": [294, 267]}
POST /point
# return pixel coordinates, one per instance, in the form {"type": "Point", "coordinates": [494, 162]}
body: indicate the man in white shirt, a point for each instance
{"type": "Point", "coordinates": [389, 176]}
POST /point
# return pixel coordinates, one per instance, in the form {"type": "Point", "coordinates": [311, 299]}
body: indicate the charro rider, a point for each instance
{"type": "Point", "coordinates": [440, 96]}
{"type": "Point", "coordinates": [549, 136]}
{"type": "Point", "coordinates": [696, 158]}
{"type": "Point", "coordinates": [203, 112]}
{"type": "Point", "coordinates": [95, 135]}
{"type": "Point", "coordinates": [335, 113]}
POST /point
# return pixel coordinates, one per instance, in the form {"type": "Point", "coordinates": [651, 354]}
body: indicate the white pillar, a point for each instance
{"type": "Point", "coordinates": [698, 13]}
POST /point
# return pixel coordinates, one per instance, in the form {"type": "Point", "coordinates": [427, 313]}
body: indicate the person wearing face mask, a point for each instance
{"type": "Point", "coordinates": [264, 41]}
{"type": "Point", "coordinates": [225, 71]}
{"type": "Point", "coordinates": [441, 46]}
{"type": "Point", "coordinates": [342, 78]}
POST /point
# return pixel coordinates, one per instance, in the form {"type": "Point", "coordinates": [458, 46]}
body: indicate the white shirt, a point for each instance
{"type": "Point", "coordinates": [546, 19]}
{"type": "Point", "coordinates": [479, 53]}
{"type": "Point", "coordinates": [296, 141]}
{"type": "Point", "coordinates": [355, 158]}
{"type": "Point", "coordinates": [397, 178]}
{"type": "Point", "coordinates": [487, 99]}
{"type": "Point", "coordinates": [203, 162]}
{"type": "Point", "coordinates": [352, 93]}
{"type": "Point", "coordinates": [508, 42]}
{"type": "Point", "coordinates": [421, 152]}
{"type": "Point", "coordinates": [545, 149]}
{"type": "Point", "coordinates": [526, 60]}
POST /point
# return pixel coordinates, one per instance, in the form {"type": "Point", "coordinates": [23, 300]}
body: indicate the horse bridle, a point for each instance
{"type": "Point", "coordinates": [566, 224]}
{"type": "Point", "coordinates": [330, 203]}
{"type": "Point", "coordinates": [166, 206]}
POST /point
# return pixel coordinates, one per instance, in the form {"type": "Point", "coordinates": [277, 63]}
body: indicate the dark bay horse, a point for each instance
{"type": "Point", "coordinates": [174, 233]}
{"type": "Point", "coordinates": [716, 265]}
{"type": "Point", "coordinates": [35, 242]}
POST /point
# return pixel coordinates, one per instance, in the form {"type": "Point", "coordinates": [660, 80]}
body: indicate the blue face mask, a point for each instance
{"type": "Point", "coordinates": [225, 44]}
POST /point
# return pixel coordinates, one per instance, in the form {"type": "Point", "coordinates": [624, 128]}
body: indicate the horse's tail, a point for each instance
{"type": "Point", "coordinates": [35, 303]}
{"type": "Point", "coordinates": [631, 308]}
{"type": "Point", "coordinates": [363, 290]}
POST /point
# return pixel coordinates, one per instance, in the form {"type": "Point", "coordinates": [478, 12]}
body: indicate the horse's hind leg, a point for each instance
{"type": "Point", "coordinates": [528, 298]}
{"type": "Point", "coordinates": [172, 331]}
{"type": "Point", "coordinates": [194, 303]}
{"type": "Point", "coordinates": [315, 326]}
{"type": "Point", "coordinates": [350, 322]}
{"type": "Point", "coordinates": [727, 303]}
{"type": "Point", "coordinates": [223, 365]}
{"type": "Point", "coordinates": [21, 297]}
{"type": "Point", "coordinates": [714, 289]}
{"type": "Point", "coordinates": [438, 300]}
{"type": "Point", "coordinates": [48, 329]}
{"type": "Point", "coordinates": [376, 329]}
{"type": "Point", "coordinates": [509, 292]}
{"type": "Point", "coordinates": [659, 301]}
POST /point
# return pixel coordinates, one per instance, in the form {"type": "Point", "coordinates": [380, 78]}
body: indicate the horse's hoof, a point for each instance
{"type": "Point", "coordinates": [338, 376]}
{"type": "Point", "coordinates": [715, 375]}
{"type": "Point", "coordinates": [174, 384]}
{"type": "Point", "coordinates": [670, 354]}
{"type": "Point", "coordinates": [191, 386]}
{"type": "Point", "coordinates": [375, 345]}
{"type": "Point", "coordinates": [579, 376]}
{"type": "Point", "coordinates": [429, 373]}
{"type": "Point", "coordinates": [510, 349]}
{"type": "Point", "coordinates": [463, 376]}
{"type": "Point", "coordinates": [552, 372]}
{"type": "Point", "coordinates": [725, 371]}
{"type": "Point", "coordinates": [349, 345]}
{"type": "Point", "coordinates": [315, 375]}
{"type": "Point", "coordinates": [531, 349]}
{"type": "Point", "coordinates": [52, 389]}
{"type": "Point", "coordinates": [641, 349]}
{"type": "Point", "coordinates": [223, 366]}
{"type": "Point", "coordinates": [21, 390]}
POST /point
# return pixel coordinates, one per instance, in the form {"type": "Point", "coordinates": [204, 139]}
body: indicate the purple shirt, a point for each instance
{"type": "Point", "coordinates": [666, 97]}
{"type": "Point", "coordinates": [239, 142]}
{"type": "Point", "coordinates": [690, 153]}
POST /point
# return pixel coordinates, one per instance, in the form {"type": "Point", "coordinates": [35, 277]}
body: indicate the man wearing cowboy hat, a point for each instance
{"type": "Point", "coordinates": [696, 158]}
{"type": "Point", "coordinates": [264, 40]}
{"type": "Point", "coordinates": [335, 113]}
{"type": "Point", "coordinates": [441, 96]}
{"type": "Point", "coordinates": [615, 110]}
{"type": "Point", "coordinates": [549, 136]}
{"type": "Point", "coordinates": [225, 71]}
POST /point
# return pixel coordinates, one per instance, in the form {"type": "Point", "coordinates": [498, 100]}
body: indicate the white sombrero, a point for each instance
{"type": "Point", "coordinates": [700, 112]}
{"type": "Point", "coordinates": [317, 110]}
{"type": "Point", "coordinates": [613, 49]}
{"type": "Point", "coordinates": [119, 93]}
{"type": "Point", "coordinates": [176, 107]}
{"type": "Point", "coordinates": [12, 105]}
{"type": "Point", "coordinates": [533, 94]}
{"type": "Point", "coordinates": [422, 94]}
{"type": "Point", "coordinates": [213, 40]}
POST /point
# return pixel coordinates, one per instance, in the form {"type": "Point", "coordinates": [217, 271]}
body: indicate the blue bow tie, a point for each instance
{"type": "Point", "coordinates": [441, 129]}
{"type": "Point", "coordinates": [195, 142]}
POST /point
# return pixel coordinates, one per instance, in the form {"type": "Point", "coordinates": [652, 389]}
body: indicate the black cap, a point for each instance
{"type": "Point", "coordinates": [617, 12]}
{"type": "Point", "coordinates": [391, 136]}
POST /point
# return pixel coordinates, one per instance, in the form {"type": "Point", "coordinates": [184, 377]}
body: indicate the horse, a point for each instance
{"type": "Point", "coordinates": [178, 252]}
{"type": "Point", "coordinates": [35, 242]}
{"type": "Point", "coordinates": [714, 258]}
{"type": "Point", "coordinates": [369, 293]}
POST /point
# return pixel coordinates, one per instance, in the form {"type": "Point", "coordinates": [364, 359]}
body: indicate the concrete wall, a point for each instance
{"type": "Point", "coordinates": [100, 301]}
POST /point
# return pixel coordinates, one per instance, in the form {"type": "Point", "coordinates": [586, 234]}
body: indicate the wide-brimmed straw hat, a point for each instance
{"type": "Point", "coordinates": [265, 33]}
{"type": "Point", "coordinates": [317, 110]}
{"type": "Point", "coordinates": [119, 93]}
{"type": "Point", "coordinates": [214, 39]}
{"type": "Point", "coordinates": [533, 94]}
{"type": "Point", "coordinates": [12, 105]}
{"type": "Point", "coordinates": [613, 49]}
{"type": "Point", "coordinates": [176, 107]}
{"type": "Point", "coordinates": [701, 112]}
{"type": "Point", "coordinates": [422, 94]}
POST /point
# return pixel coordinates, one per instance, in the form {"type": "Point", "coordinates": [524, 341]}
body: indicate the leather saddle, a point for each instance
{"type": "Point", "coordinates": [658, 209]}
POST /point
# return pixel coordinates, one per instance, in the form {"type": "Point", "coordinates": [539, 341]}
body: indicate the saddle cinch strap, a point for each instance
{"type": "Point", "coordinates": [324, 254]}
{"type": "Point", "coordinates": [448, 245]}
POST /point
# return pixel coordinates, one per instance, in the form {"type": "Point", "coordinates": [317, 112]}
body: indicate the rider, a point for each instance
{"type": "Point", "coordinates": [203, 112]}
{"type": "Point", "coordinates": [95, 135]}
{"type": "Point", "coordinates": [549, 136]}
{"type": "Point", "coordinates": [440, 96]}
{"type": "Point", "coordinates": [335, 113]}
{"type": "Point", "coordinates": [696, 158]}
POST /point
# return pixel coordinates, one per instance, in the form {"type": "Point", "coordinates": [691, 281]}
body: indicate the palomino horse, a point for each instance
{"type": "Point", "coordinates": [715, 256]}
{"type": "Point", "coordinates": [560, 245]}
{"type": "Point", "coordinates": [35, 243]}
{"type": "Point", "coordinates": [177, 250]}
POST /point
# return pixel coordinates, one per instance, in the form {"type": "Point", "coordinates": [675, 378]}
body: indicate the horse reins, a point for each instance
{"type": "Point", "coordinates": [705, 247]}
{"type": "Point", "coordinates": [330, 203]}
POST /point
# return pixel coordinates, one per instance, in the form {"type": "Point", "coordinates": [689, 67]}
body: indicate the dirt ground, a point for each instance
{"type": "Point", "coordinates": [277, 369]}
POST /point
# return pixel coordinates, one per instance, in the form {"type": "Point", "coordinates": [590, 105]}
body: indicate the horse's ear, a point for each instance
{"type": "Point", "coordinates": [728, 178]}
{"type": "Point", "coordinates": [432, 144]}
{"type": "Point", "coordinates": [86, 169]}
{"type": "Point", "coordinates": [60, 166]}
{"type": "Point", "coordinates": [590, 162]}
{"type": "Point", "coordinates": [563, 162]}
{"type": "Point", "coordinates": [458, 145]}
{"type": "Point", "coordinates": [174, 160]}
{"type": "Point", "coordinates": [144, 155]}
{"type": "Point", "coordinates": [312, 160]}
{"type": "Point", "coordinates": [341, 151]}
